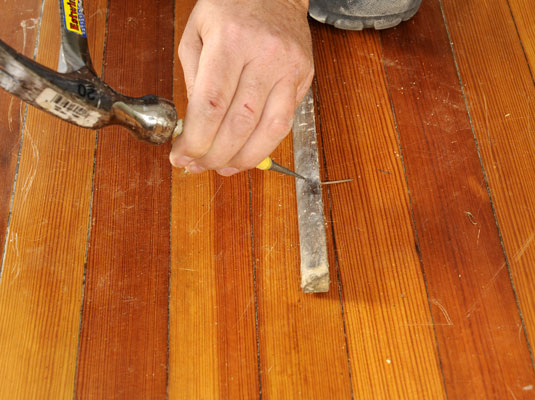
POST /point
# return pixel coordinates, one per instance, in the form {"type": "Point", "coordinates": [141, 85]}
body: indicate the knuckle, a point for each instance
{"type": "Point", "coordinates": [214, 103]}
{"type": "Point", "coordinates": [182, 49]}
{"type": "Point", "coordinates": [230, 36]}
{"type": "Point", "coordinates": [243, 122]}
{"type": "Point", "coordinates": [280, 126]}
{"type": "Point", "coordinates": [273, 46]}
{"type": "Point", "coordinates": [196, 150]}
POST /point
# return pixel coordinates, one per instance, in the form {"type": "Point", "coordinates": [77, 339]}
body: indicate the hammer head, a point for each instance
{"type": "Point", "coordinates": [82, 98]}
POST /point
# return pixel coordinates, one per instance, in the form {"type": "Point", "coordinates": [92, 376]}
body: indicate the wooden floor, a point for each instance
{"type": "Point", "coordinates": [122, 278]}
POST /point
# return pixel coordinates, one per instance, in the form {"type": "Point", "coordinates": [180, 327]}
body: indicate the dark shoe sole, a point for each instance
{"type": "Point", "coordinates": [355, 23]}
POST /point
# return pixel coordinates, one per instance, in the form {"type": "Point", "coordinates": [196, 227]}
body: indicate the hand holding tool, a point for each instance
{"type": "Point", "coordinates": [78, 95]}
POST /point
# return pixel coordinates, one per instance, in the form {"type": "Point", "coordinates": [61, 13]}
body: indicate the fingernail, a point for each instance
{"type": "Point", "coordinates": [181, 162]}
{"type": "Point", "coordinates": [228, 171]}
{"type": "Point", "coordinates": [196, 169]}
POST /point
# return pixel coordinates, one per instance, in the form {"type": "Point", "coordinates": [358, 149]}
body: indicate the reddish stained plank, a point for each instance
{"type": "Point", "coordinates": [483, 351]}
{"type": "Point", "coordinates": [18, 29]}
{"type": "Point", "coordinates": [123, 342]}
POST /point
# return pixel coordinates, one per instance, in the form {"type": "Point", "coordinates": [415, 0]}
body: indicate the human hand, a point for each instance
{"type": "Point", "coordinates": [247, 64]}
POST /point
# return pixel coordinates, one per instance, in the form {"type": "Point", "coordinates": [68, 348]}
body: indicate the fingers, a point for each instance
{"type": "Point", "coordinates": [189, 52]}
{"type": "Point", "coordinates": [241, 119]}
{"type": "Point", "coordinates": [274, 125]}
{"type": "Point", "coordinates": [245, 65]}
{"type": "Point", "coordinates": [214, 85]}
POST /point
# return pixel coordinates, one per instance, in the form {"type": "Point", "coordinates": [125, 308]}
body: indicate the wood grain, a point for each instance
{"type": "Point", "coordinates": [390, 331]}
{"type": "Point", "coordinates": [481, 351]}
{"type": "Point", "coordinates": [19, 30]}
{"type": "Point", "coordinates": [213, 333]}
{"type": "Point", "coordinates": [296, 330]}
{"type": "Point", "coordinates": [213, 350]}
{"type": "Point", "coordinates": [41, 287]}
{"type": "Point", "coordinates": [123, 339]}
{"type": "Point", "coordinates": [523, 14]}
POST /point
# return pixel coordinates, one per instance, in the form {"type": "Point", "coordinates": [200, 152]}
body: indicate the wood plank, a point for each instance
{"type": "Point", "coordinates": [515, 203]}
{"type": "Point", "coordinates": [482, 353]}
{"type": "Point", "coordinates": [213, 333]}
{"type": "Point", "coordinates": [391, 343]}
{"type": "Point", "coordinates": [123, 339]}
{"type": "Point", "coordinates": [19, 30]}
{"type": "Point", "coordinates": [42, 280]}
{"type": "Point", "coordinates": [212, 338]}
{"type": "Point", "coordinates": [523, 14]}
{"type": "Point", "coordinates": [302, 345]}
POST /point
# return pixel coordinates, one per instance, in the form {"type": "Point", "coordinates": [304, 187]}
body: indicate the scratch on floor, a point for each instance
{"type": "Point", "coordinates": [98, 12]}
{"type": "Point", "coordinates": [510, 391]}
{"type": "Point", "coordinates": [443, 309]}
{"type": "Point", "coordinates": [33, 169]}
{"type": "Point", "coordinates": [17, 261]}
{"type": "Point", "coordinates": [487, 119]}
{"type": "Point", "coordinates": [269, 249]}
{"type": "Point", "coordinates": [245, 309]}
{"type": "Point", "coordinates": [484, 290]}
{"type": "Point", "coordinates": [9, 116]}
{"type": "Point", "coordinates": [524, 247]}
{"type": "Point", "coordinates": [195, 228]}
{"type": "Point", "coordinates": [26, 24]}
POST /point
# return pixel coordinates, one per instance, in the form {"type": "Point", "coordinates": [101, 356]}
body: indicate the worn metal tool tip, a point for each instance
{"type": "Point", "coordinates": [284, 170]}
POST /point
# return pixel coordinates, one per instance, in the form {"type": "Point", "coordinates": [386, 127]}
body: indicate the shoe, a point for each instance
{"type": "Point", "coordinates": [356, 15]}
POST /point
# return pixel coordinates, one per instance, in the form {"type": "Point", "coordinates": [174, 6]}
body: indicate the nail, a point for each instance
{"type": "Point", "coordinates": [181, 162]}
{"type": "Point", "coordinates": [228, 171]}
{"type": "Point", "coordinates": [194, 168]}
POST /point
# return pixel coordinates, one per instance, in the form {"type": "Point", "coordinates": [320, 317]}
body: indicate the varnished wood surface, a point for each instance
{"type": "Point", "coordinates": [462, 258]}
{"type": "Point", "coordinates": [391, 344]}
{"type": "Point", "coordinates": [123, 337]}
{"type": "Point", "coordinates": [124, 279]}
{"type": "Point", "coordinates": [498, 82]}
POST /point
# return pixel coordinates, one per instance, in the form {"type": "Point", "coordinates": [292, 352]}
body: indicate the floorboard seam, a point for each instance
{"type": "Point", "coordinates": [521, 42]}
{"type": "Point", "coordinates": [19, 155]}
{"type": "Point", "coordinates": [255, 287]}
{"type": "Point", "coordinates": [485, 178]}
{"type": "Point", "coordinates": [88, 239]}
{"type": "Point", "coordinates": [336, 259]}
{"type": "Point", "coordinates": [170, 232]}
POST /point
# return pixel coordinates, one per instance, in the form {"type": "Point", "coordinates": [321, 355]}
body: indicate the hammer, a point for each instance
{"type": "Point", "coordinates": [76, 94]}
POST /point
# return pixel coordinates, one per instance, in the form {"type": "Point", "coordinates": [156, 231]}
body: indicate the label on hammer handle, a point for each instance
{"type": "Point", "coordinates": [64, 108]}
{"type": "Point", "coordinates": [73, 16]}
